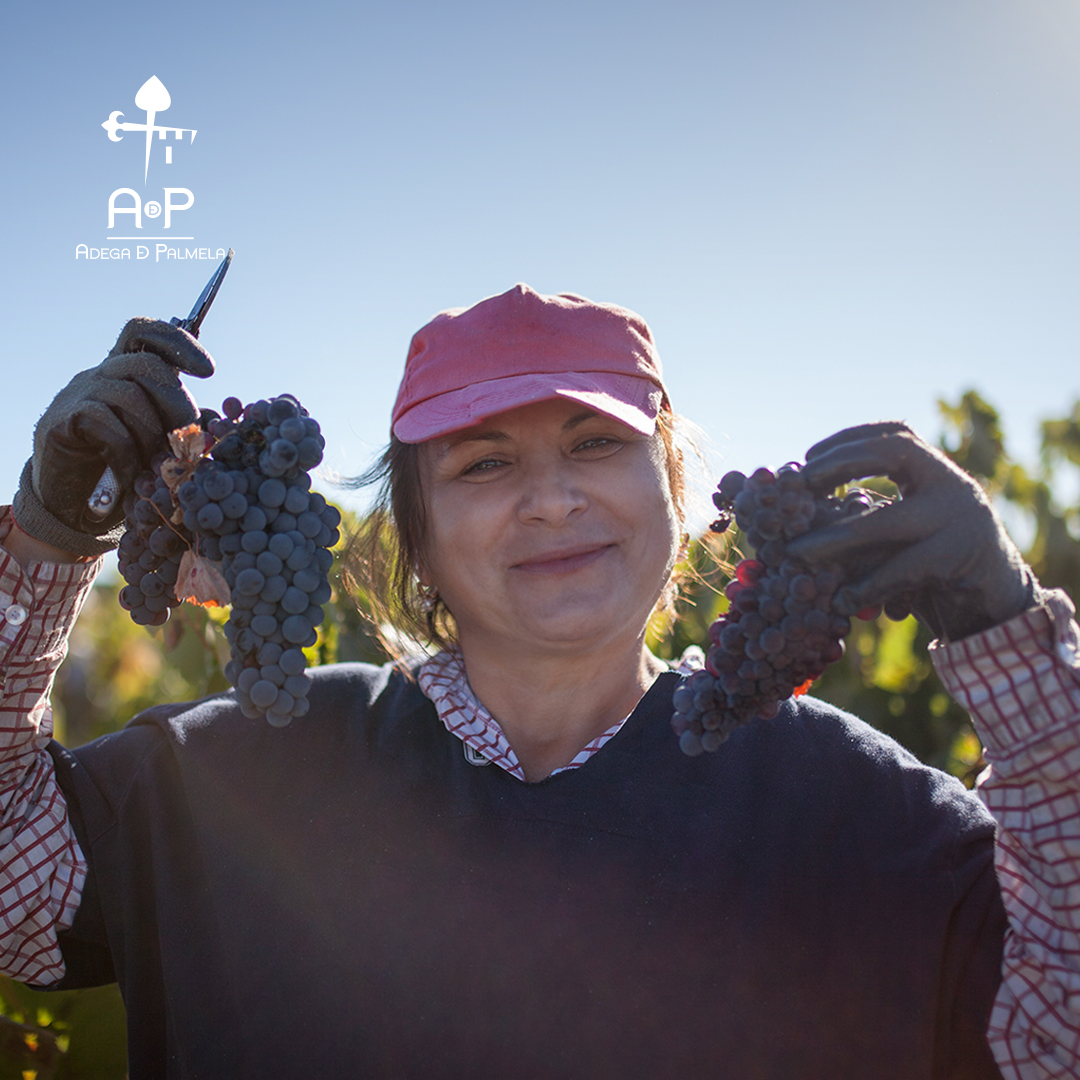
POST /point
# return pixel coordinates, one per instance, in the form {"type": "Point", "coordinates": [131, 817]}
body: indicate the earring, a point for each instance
{"type": "Point", "coordinates": [429, 596]}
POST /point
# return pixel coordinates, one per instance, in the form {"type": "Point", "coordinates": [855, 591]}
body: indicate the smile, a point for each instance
{"type": "Point", "coordinates": [564, 562]}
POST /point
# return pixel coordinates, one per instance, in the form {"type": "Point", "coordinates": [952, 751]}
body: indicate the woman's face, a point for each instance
{"type": "Point", "coordinates": [551, 528]}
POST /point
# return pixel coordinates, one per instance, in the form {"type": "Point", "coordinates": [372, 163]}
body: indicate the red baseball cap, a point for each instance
{"type": "Point", "coordinates": [519, 348]}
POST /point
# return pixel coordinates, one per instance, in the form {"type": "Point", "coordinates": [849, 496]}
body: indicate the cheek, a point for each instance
{"type": "Point", "coordinates": [461, 532]}
{"type": "Point", "coordinates": [666, 516]}
{"type": "Point", "coordinates": [645, 503]}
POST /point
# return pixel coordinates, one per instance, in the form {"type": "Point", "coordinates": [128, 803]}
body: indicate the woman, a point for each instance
{"type": "Point", "coordinates": [497, 861]}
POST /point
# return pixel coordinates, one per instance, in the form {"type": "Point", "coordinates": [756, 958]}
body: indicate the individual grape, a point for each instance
{"type": "Point", "coordinates": [249, 582]}
{"type": "Point", "coordinates": [292, 662]}
{"type": "Point", "coordinates": [274, 589]}
{"type": "Point", "coordinates": [779, 632]}
{"type": "Point", "coordinates": [297, 501]}
{"type": "Point", "coordinates": [234, 506]}
{"type": "Point", "coordinates": [284, 702]}
{"type": "Point", "coordinates": [298, 630]}
{"type": "Point", "coordinates": [217, 485]}
{"type": "Point", "coordinates": [282, 408]}
{"type": "Point", "coordinates": [272, 673]}
{"type": "Point", "coordinates": [269, 563]}
{"type": "Point", "coordinates": [299, 558]}
{"type": "Point", "coordinates": [265, 626]}
{"type": "Point", "coordinates": [263, 693]}
{"type": "Point", "coordinates": [272, 492]}
{"type": "Point", "coordinates": [294, 601]}
{"type": "Point", "coordinates": [281, 545]}
{"type": "Point", "coordinates": [269, 653]}
{"type": "Point", "coordinates": [254, 520]}
{"type": "Point", "coordinates": [209, 518]}
{"type": "Point", "coordinates": [254, 541]}
{"type": "Point", "coordinates": [292, 429]}
{"type": "Point", "coordinates": [297, 685]}
{"type": "Point", "coordinates": [309, 453]}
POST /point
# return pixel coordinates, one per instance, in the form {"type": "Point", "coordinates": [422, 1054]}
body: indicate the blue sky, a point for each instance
{"type": "Point", "coordinates": [828, 211]}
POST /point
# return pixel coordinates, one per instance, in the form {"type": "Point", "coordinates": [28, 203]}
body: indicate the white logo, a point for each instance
{"type": "Point", "coordinates": [153, 98]}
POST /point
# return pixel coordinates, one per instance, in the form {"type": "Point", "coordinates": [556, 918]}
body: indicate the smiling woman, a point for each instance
{"type": "Point", "coordinates": [536, 511]}
{"type": "Point", "coordinates": [493, 859]}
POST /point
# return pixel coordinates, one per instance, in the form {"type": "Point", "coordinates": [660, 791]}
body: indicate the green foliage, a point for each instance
{"type": "Point", "coordinates": [979, 447]}
{"type": "Point", "coordinates": [61, 1035]}
{"type": "Point", "coordinates": [884, 677]}
{"type": "Point", "coordinates": [704, 573]}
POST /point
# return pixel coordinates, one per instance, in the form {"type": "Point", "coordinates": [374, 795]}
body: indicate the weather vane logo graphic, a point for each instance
{"type": "Point", "coordinates": [153, 98]}
{"type": "Point", "coordinates": [127, 207]}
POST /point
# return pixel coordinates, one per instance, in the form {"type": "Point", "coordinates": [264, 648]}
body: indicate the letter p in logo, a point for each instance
{"type": "Point", "coordinates": [170, 206]}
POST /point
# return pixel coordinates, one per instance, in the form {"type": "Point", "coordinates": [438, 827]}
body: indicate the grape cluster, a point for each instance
{"type": "Point", "coordinates": [780, 631]}
{"type": "Point", "coordinates": [151, 548]}
{"type": "Point", "coordinates": [247, 507]}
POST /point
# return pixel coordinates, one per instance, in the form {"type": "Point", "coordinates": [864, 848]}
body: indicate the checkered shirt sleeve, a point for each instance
{"type": "Point", "coordinates": [1021, 683]}
{"type": "Point", "coordinates": [42, 869]}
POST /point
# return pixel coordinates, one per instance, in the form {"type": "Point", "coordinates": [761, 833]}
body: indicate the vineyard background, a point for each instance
{"type": "Point", "coordinates": [114, 669]}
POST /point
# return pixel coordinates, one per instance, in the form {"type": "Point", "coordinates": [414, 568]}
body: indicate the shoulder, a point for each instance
{"type": "Point", "coordinates": [816, 763]}
{"type": "Point", "coordinates": [821, 753]}
{"type": "Point", "coordinates": [346, 700]}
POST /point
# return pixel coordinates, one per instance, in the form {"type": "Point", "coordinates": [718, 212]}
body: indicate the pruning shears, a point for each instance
{"type": "Point", "coordinates": [104, 496]}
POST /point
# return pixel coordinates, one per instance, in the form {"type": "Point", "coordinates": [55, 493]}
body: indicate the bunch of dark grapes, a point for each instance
{"type": "Point", "coordinates": [780, 631]}
{"type": "Point", "coordinates": [151, 549]}
{"type": "Point", "coordinates": [248, 508]}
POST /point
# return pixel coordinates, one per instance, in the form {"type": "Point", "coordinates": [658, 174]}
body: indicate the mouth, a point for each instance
{"type": "Point", "coordinates": [564, 562]}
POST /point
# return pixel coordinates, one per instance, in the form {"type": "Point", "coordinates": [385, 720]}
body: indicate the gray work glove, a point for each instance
{"type": "Point", "coordinates": [940, 551]}
{"type": "Point", "coordinates": [117, 414]}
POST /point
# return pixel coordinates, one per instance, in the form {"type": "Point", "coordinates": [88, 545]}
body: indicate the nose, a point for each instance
{"type": "Point", "coordinates": [550, 495]}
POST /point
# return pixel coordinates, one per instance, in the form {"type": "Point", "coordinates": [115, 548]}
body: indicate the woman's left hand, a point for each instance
{"type": "Point", "coordinates": [940, 551]}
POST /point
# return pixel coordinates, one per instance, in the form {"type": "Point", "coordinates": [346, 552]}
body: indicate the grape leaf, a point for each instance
{"type": "Point", "coordinates": [200, 581]}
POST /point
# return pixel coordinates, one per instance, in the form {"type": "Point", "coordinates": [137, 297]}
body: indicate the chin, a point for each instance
{"type": "Point", "coordinates": [581, 627]}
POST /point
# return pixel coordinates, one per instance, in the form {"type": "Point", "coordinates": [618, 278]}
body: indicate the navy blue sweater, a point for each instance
{"type": "Point", "coordinates": [349, 897]}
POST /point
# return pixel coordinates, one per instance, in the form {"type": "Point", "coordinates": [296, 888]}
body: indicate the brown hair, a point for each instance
{"type": "Point", "coordinates": [381, 559]}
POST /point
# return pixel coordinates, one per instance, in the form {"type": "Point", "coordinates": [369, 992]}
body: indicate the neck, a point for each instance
{"type": "Point", "coordinates": [551, 707]}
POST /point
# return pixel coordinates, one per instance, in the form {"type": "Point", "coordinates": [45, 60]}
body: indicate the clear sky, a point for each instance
{"type": "Point", "coordinates": [829, 211]}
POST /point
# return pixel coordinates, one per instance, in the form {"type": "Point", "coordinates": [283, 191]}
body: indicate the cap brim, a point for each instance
{"type": "Point", "coordinates": [633, 401]}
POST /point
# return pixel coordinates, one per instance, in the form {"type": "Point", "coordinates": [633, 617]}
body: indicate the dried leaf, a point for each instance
{"type": "Point", "coordinates": [200, 581]}
{"type": "Point", "coordinates": [175, 473]}
{"type": "Point", "coordinates": [189, 443]}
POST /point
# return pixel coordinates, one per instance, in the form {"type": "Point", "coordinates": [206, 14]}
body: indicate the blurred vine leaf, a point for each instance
{"type": "Point", "coordinates": [61, 1035]}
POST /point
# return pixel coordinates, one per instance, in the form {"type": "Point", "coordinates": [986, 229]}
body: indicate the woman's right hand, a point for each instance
{"type": "Point", "coordinates": [116, 415]}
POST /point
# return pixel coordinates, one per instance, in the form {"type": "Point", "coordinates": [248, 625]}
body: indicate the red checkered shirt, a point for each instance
{"type": "Point", "coordinates": [42, 869]}
{"type": "Point", "coordinates": [1021, 684]}
{"type": "Point", "coordinates": [1020, 681]}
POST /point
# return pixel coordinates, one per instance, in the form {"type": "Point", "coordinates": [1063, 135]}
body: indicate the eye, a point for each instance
{"type": "Point", "coordinates": [598, 445]}
{"type": "Point", "coordinates": [484, 465]}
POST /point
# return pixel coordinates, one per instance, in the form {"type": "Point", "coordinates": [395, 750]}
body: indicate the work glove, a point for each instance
{"type": "Point", "coordinates": [115, 415]}
{"type": "Point", "coordinates": [940, 551]}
